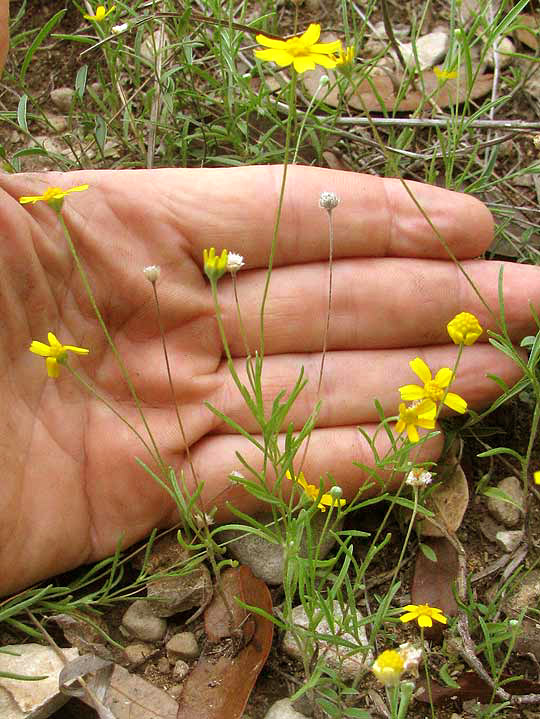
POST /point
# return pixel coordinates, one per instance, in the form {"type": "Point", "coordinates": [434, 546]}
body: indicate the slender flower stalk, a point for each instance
{"type": "Point", "coordinates": [125, 374]}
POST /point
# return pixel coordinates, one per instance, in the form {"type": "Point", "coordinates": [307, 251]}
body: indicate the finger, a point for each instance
{"type": "Point", "coordinates": [376, 303]}
{"type": "Point", "coordinates": [352, 381]}
{"type": "Point", "coordinates": [331, 452]}
{"type": "Point", "coordinates": [236, 208]}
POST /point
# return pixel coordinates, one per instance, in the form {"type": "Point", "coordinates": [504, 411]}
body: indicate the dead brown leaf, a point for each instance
{"type": "Point", "coordinates": [526, 36]}
{"type": "Point", "coordinates": [380, 89]}
{"type": "Point", "coordinates": [433, 581]}
{"type": "Point", "coordinates": [472, 687]}
{"type": "Point", "coordinates": [220, 684]}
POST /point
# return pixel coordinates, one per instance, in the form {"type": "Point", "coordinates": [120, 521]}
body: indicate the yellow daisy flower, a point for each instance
{"type": "Point", "coordinates": [53, 196]}
{"type": "Point", "coordinates": [345, 57]}
{"type": "Point", "coordinates": [536, 476]}
{"type": "Point", "coordinates": [420, 414]}
{"type": "Point", "coordinates": [464, 329]}
{"type": "Point", "coordinates": [303, 51]}
{"type": "Point", "coordinates": [433, 389]}
{"type": "Point", "coordinates": [441, 74]}
{"type": "Point", "coordinates": [326, 500]}
{"type": "Point", "coordinates": [423, 613]}
{"type": "Point", "coordinates": [101, 13]}
{"type": "Point", "coordinates": [388, 667]}
{"type": "Point", "coordinates": [215, 266]}
{"type": "Point", "coordinates": [55, 353]}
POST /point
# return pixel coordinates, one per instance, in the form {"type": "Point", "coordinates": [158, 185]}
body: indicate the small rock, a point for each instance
{"type": "Point", "coordinates": [489, 528]}
{"type": "Point", "coordinates": [341, 658]}
{"type": "Point", "coordinates": [504, 512]}
{"type": "Point", "coordinates": [140, 622]}
{"type": "Point", "coordinates": [176, 691]}
{"type": "Point", "coordinates": [430, 49]}
{"type": "Point", "coordinates": [181, 669]}
{"type": "Point", "coordinates": [525, 593]}
{"type": "Point", "coordinates": [182, 646]}
{"type": "Point", "coordinates": [62, 98]}
{"type": "Point", "coordinates": [21, 699]}
{"type": "Point", "coordinates": [163, 666]}
{"type": "Point", "coordinates": [504, 51]}
{"type": "Point", "coordinates": [179, 594]}
{"type": "Point", "coordinates": [266, 559]}
{"type": "Point", "coordinates": [57, 122]}
{"type": "Point", "coordinates": [166, 553]}
{"type": "Point", "coordinates": [283, 709]}
{"type": "Point", "coordinates": [137, 653]}
{"type": "Point", "coordinates": [509, 540]}
{"type": "Point", "coordinates": [129, 696]}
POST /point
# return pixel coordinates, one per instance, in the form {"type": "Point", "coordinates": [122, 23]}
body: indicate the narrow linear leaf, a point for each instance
{"type": "Point", "coordinates": [45, 30]}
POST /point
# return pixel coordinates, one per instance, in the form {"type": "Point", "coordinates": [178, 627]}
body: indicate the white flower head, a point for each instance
{"type": "Point", "coordinates": [119, 29]}
{"type": "Point", "coordinates": [328, 201]}
{"type": "Point", "coordinates": [411, 657]}
{"type": "Point", "coordinates": [235, 262]}
{"type": "Point", "coordinates": [336, 492]}
{"type": "Point", "coordinates": [419, 478]}
{"type": "Point", "coordinates": [152, 273]}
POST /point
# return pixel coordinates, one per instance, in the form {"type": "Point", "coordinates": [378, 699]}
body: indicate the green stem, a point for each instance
{"type": "Point", "coordinates": [290, 117]}
{"type": "Point", "coordinates": [426, 670]}
{"type": "Point", "coordinates": [110, 340]}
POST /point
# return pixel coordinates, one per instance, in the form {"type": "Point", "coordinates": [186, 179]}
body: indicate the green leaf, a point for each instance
{"type": "Point", "coordinates": [428, 552]}
{"type": "Point", "coordinates": [45, 30]}
{"type": "Point", "coordinates": [21, 113]}
{"type": "Point", "coordinates": [499, 494]}
{"type": "Point", "coordinates": [446, 678]}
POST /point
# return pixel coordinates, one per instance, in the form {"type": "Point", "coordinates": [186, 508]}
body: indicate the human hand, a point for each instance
{"type": "Point", "coordinates": [70, 485]}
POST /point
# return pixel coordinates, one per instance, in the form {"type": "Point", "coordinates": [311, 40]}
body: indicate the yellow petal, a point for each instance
{"type": "Point", "coordinates": [39, 348]}
{"type": "Point", "coordinates": [77, 350]}
{"type": "Point", "coordinates": [325, 61]}
{"type": "Point", "coordinates": [303, 63]}
{"type": "Point", "coordinates": [311, 35]}
{"type": "Point", "coordinates": [32, 198]}
{"type": "Point", "coordinates": [424, 621]}
{"type": "Point", "coordinates": [455, 402]}
{"type": "Point", "coordinates": [420, 369]}
{"type": "Point", "coordinates": [53, 369]}
{"type": "Point", "coordinates": [411, 392]}
{"type": "Point", "coordinates": [409, 616]}
{"type": "Point", "coordinates": [302, 481]}
{"type": "Point", "coordinates": [443, 377]}
{"type": "Point", "coordinates": [53, 341]}
{"type": "Point", "coordinates": [400, 426]}
{"type": "Point", "coordinates": [326, 48]}
{"type": "Point", "coordinates": [82, 188]}
{"type": "Point", "coordinates": [412, 433]}
{"type": "Point", "coordinates": [270, 42]}
{"type": "Point", "coordinates": [281, 57]}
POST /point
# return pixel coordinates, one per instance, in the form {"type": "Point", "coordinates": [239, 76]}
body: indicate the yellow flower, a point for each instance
{"type": "Point", "coordinates": [303, 51]}
{"type": "Point", "coordinates": [101, 14]}
{"type": "Point", "coordinates": [326, 500]}
{"type": "Point", "coordinates": [433, 389]}
{"type": "Point", "coordinates": [420, 414]}
{"type": "Point", "coordinates": [388, 667]}
{"type": "Point", "coordinates": [215, 266]}
{"type": "Point", "coordinates": [55, 353]}
{"type": "Point", "coordinates": [345, 57]}
{"type": "Point", "coordinates": [464, 329]}
{"type": "Point", "coordinates": [424, 614]}
{"type": "Point", "coordinates": [537, 477]}
{"type": "Point", "coordinates": [53, 196]}
{"type": "Point", "coordinates": [441, 74]}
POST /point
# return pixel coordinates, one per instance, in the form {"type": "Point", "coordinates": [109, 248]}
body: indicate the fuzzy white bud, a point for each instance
{"type": "Point", "coordinates": [336, 492]}
{"type": "Point", "coordinates": [418, 478]}
{"type": "Point", "coordinates": [119, 29]}
{"type": "Point", "coordinates": [235, 262]}
{"type": "Point", "coordinates": [328, 201]}
{"type": "Point", "coordinates": [152, 273]}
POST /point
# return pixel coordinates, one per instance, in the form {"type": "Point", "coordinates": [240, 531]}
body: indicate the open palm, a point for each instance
{"type": "Point", "coordinates": [70, 485]}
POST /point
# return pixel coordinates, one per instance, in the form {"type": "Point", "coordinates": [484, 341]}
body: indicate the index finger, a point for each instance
{"type": "Point", "coordinates": [376, 217]}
